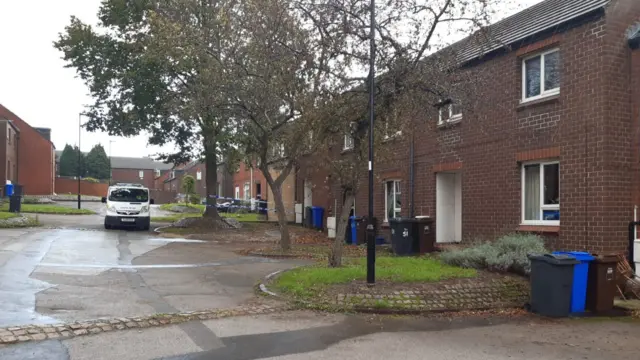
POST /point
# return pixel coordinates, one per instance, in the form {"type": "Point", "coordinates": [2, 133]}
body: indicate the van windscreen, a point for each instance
{"type": "Point", "coordinates": [129, 195]}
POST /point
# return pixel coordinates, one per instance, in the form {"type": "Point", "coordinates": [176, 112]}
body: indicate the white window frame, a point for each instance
{"type": "Point", "coordinates": [349, 142]}
{"type": "Point", "coordinates": [141, 174]}
{"type": "Point", "coordinates": [390, 134]}
{"type": "Point", "coordinates": [453, 118]}
{"type": "Point", "coordinates": [157, 172]}
{"type": "Point", "coordinates": [386, 199]}
{"type": "Point", "coordinates": [247, 185]}
{"type": "Point", "coordinates": [543, 92]}
{"type": "Point", "coordinates": [237, 193]}
{"type": "Point", "coordinates": [542, 205]}
{"type": "Point", "coordinates": [198, 175]}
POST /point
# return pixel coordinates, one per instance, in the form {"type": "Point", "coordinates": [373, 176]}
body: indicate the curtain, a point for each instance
{"type": "Point", "coordinates": [532, 192]}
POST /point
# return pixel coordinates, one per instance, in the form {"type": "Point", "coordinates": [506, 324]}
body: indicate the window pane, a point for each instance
{"type": "Point", "coordinates": [532, 192]}
{"type": "Point", "coordinates": [532, 69]}
{"type": "Point", "coordinates": [552, 184]}
{"type": "Point", "coordinates": [444, 113]}
{"type": "Point", "coordinates": [552, 71]}
{"type": "Point", "coordinates": [456, 109]}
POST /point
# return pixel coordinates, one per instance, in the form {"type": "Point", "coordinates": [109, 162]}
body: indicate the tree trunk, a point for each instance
{"type": "Point", "coordinates": [285, 240]}
{"type": "Point", "coordinates": [211, 167]}
{"type": "Point", "coordinates": [335, 256]}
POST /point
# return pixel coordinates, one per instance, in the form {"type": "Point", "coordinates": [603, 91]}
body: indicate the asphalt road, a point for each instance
{"type": "Point", "coordinates": [79, 271]}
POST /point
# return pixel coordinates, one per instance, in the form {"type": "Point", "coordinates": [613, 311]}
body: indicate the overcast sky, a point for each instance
{"type": "Point", "coordinates": [35, 85]}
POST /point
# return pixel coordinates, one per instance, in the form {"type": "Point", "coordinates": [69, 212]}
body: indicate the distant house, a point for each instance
{"type": "Point", "coordinates": [34, 155]}
{"type": "Point", "coordinates": [140, 170]}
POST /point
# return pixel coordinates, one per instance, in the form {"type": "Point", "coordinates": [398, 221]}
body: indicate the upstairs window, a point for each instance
{"type": "Point", "coordinates": [141, 174]}
{"type": "Point", "coordinates": [392, 202]}
{"type": "Point", "coordinates": [450, 113]}
{"type": "Point", "coordinates": [199, 175]}
{"type": "Point", "coordinates": [541, 75]}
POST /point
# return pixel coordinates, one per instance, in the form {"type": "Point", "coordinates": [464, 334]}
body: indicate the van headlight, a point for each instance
{"type": "Point", "coordinates": [111, 208]}
{"type": "Point", "coordinates": [144, 209]}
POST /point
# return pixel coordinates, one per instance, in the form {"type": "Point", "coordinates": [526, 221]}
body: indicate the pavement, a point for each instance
{"type": "Point", "coordinates": [310, 336]}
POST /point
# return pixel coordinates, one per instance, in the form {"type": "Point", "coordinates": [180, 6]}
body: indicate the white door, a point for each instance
{"type": "Point", "coordinates": [308, 194]}
{"type": "Point", "coordinates": [448, 207]}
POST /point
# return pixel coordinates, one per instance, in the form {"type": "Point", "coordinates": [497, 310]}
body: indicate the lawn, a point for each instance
{"type": "Point", "coordinates": [308, 282]}
{"type": "Point", "coordinates": [239, 217]}
{"type": "Point", "coordinates": [167, 207]}
{"type": "Point", "coordinates": [48, 209]}
{"type": "Point", "coordinates": [7, 215]}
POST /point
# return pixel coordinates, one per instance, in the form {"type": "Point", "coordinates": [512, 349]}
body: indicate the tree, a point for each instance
{"type": "Point", "coordinates": [98, 164]}
{"type": "Point", "coordinates": [69, 161]}
{"type": "Point", "coordinates": [406, 31]}
{"type": "Point", "coordinates": [155, 67]}
{"type": "Point", "coordinates": [288, 67]}
{"type": "Point", "coordinates": [189, 187]}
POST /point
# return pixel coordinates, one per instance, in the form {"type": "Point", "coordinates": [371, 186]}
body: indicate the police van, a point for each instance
{"type": "Point", "coordinates": [128, 205]}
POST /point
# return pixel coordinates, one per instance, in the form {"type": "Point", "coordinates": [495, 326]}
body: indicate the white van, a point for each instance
{"type": "Point", "coordinates": [128, 205]}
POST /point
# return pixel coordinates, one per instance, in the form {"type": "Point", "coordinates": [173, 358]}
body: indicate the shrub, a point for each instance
{"type": "Point", "coordinates": [507, 254]}
{"type": "Point", "coordinates": [195, 199]}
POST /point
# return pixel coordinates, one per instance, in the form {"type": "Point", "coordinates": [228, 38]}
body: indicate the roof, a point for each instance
{"type": "Point", "coordinates": [141, 163]}
{"type": "Point", "coordinates": [4, 113]}
{"type": "Point", "coordinates": [530, 21]}
{"type": "Point", "coordinates": [634, 37]}
{"type": "Point", "coordinates": [10, 122]}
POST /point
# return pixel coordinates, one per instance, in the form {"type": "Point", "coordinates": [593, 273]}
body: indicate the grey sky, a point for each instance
{"type": "Point", "coordinates": [34, 84]}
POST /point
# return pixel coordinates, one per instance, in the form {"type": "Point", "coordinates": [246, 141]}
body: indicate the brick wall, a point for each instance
{"type": "Point", "coordinates": [317, 176]}
{"type": "Point", "coordinates": [36, 163]}
{"type": "Point", "coordinates": [8, 153]}
{"type": "Point", "coordinates": [133, 176]}
{"type": "Point", "coordinates": [70, 186]}
{"type": "Point", "coordinates": [586, 127]}
{"type": "Point", "coordinates": [243, 176]}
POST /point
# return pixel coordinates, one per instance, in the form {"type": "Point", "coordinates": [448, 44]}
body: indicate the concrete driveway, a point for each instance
{"type": "Point", "coordinates": [78, 273]}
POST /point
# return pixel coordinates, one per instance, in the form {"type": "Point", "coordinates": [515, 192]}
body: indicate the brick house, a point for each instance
{"type": "Point", "coordinates": [35, 156]}
{"type": "Point", "coordinates": [8, 153]}
{"type": "Point", "coordinates": [172, 179]}
{"type": "Point", "coordinates": [551, 144]}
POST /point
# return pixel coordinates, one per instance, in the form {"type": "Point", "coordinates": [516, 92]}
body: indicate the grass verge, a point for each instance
{"type": "Point", "coordinates": [6, 223]}
{"type": "Point", "coordinates": [7, 215]}
{"type": "Point", "coordinates": [174, 218]}
{"type": "Point", "coordinates": [48, 209]}
{"type": "Point", "coordinates": [168, 207]}
{"type": "Point", "coordinates": [311, 282]}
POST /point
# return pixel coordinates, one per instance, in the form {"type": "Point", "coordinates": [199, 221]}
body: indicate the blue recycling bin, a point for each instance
{"type": "Point", "coordinates": [354, 230]}
{"type": "Point", "coordinates": [8, 189]}
{"type": "Point", "coordinates": [580, 276]}
{"type": "Point", "coordinates": [318, 213]}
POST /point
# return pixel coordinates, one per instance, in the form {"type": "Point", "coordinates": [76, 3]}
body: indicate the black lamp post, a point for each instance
{"type": "Point", "coordinates": [371, 232]}
{"type": "Point", "coordinates": [79, 168]}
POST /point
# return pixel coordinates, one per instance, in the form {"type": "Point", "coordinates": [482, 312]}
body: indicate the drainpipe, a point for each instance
{"type": "Point", "coordinates": [631, 229]}
{"type": "Point", "coordinates": [411, 176]}
{"type": "Point", "coordinates": [18, 158]}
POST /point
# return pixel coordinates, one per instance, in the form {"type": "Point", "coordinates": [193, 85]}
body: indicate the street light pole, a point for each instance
{"type": "Point", "coordinates": [371, 232]}
{"type": "Point", "coordinates": [79, 157]}
{"type": "Point", "coordinates": [110, 172]}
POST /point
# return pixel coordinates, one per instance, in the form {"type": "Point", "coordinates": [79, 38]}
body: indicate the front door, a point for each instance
{"type": "Point", "coordinates": [448, 207]}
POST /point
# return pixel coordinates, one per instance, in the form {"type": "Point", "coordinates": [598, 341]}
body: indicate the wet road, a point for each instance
{"type": "Point", "coordinates": [310, 336]}
{"type": "Point", "coordinates": [63, 275]}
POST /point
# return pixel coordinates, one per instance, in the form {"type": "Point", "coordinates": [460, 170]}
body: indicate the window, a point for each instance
{"type": "Point", "coordinates": [247, 191]}
{"type": "Point", "coordinates": [9, 136]}
{"type": "Point", "coordinates": [237, 193]}
{"type": "Point", "coordinates": [392, 202]}
{"type": "Point", "coordinates": [541, 193]}
{"type": "Point", "coordinates": [541, 75]}
{"type": "Point", "coordinates": [450, 113]}
{"type": "Point", "coordinates": [349, 141]}
{"type": "Point", "coordinates": [157, 172]}
{"type": "Point", "coordinates": [141, 174]}
{"type": "Point", "coordinates": [199, 175]}
{"type": "Point", "coordinates": [173, 174]}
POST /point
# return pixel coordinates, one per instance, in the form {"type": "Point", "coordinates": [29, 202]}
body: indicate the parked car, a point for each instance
{"type": "Point", "coordinates": [223, 207]}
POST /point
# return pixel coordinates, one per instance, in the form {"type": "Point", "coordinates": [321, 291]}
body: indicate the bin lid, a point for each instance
{"type": "Point", "coordinates": [606, 258]}
{"type": "Point", "coordinates": [555, 259]}
{"type": "Point", "coordinates": [579, 255]}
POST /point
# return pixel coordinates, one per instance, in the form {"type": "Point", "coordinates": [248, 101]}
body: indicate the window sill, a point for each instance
{"type": "Point", "coordinates": [449, 123]}
{"type": "Point", "coordinates": [548, 99]}
{"type": "Point", "coordinates": [539, 228]}
{"type": "Point", "coordinates": [344, 151]}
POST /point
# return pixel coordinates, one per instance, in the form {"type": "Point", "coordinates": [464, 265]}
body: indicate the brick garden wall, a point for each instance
{"type": "Point", "coordinates": [70, 186]}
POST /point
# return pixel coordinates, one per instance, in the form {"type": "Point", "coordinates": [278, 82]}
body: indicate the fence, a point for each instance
{"type": "Point", "coordinates": [162, 196]}
{"type": "Point", "coordinates": [70, 186]}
